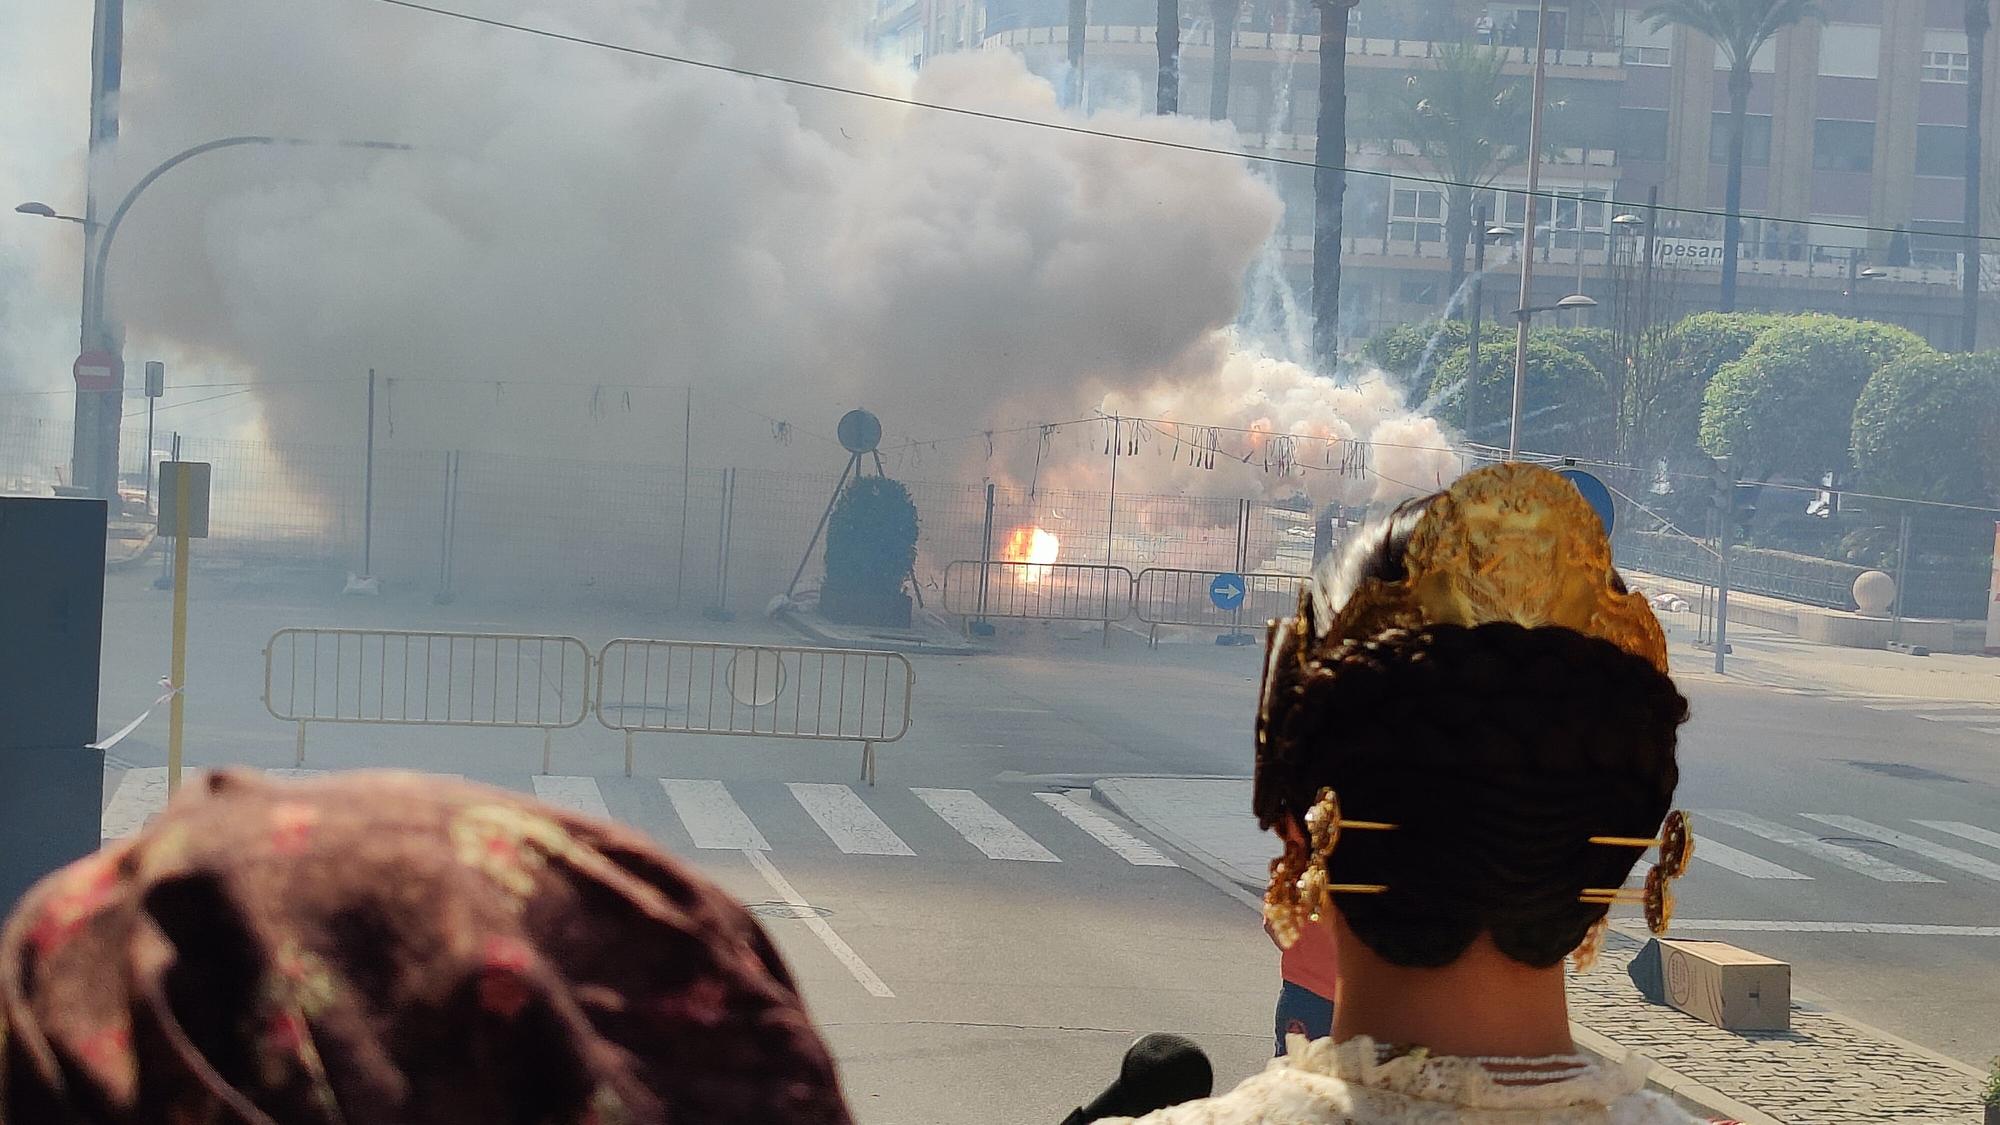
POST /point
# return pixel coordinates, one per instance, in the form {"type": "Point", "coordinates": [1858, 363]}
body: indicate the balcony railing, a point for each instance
{"type": "Point", "coordinates": [1603, 54]}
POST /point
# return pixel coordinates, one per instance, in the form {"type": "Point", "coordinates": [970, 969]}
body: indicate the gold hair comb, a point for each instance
{"type": "Point", "coordinates": [1513, 543]}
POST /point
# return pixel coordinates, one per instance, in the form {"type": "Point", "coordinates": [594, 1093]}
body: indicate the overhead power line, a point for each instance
{"type": "Point", "coordinates": [1110, 134]}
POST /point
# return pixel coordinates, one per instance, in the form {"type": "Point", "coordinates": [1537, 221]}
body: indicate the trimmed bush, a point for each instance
{"type": "Point", "coordinates": [1565, 407]}
{"type": "Point", "coordinates": [1787, 406]}
{"type": "Point", "coordinates": [1694, 350]}
{"type": "Point", "coordinates": [1928, 428]}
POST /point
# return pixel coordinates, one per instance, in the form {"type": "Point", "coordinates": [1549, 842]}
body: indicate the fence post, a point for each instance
{"type": "Point", "coordinates": [448, 529]}
{"type": "Point", "coordinates": [725, 526]}
{"type": "Point", "coordinates": [1722, 587]}
{"type": "Point", "coordinates": [368, 487]}
{"type": "Point", "coordinates": [982, 626]}
{"type": "Point", "coordinates": [687, 470]}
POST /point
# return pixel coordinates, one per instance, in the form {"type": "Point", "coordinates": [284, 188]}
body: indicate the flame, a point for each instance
{"type": "Point", "coordinates": [1034, 546]}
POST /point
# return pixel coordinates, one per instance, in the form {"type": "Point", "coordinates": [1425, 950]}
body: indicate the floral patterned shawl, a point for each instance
{"type": "Point", "coordinates": [382, 948]}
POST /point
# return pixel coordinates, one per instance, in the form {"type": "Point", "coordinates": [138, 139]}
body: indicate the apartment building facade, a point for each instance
{"type": "Point", "coordinates": [1855, 121]}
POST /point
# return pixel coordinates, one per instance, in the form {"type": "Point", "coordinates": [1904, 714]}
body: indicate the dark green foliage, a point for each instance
{"type": "Point", "coordinates": [871, 545]}
{"type": "Point", "coordinates": [1927, 427]}
{"type": "Point", "coordinates": [1565, 407]}
{"type": "Point", "coordinates": [1694, 350]}
{"type": "Point", "coordinates": [1787, 406]}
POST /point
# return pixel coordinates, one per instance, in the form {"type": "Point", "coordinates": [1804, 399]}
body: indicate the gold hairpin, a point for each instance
{"type": "Point", "coordinates": [1299, 890]}
{"type": "Point", "coordinates": [1676, 844]}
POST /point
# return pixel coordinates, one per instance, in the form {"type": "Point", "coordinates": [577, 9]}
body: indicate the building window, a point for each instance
{"type": "Point", "coordinates": [1417, 292]}
{"type": "Point", "coordinates": [1416, 215]}
{"type": "Point", "coordinates": [1642, 134]}
{"type": "Point", "coordinates": [1940, 150]}
{"type": "Point", "coordinates": [1756, 139]}
{"type": "Point", "coordinates": [1946, 66]}
{"type": "Point", "coordinates": [1848, 50]}
{"type": "Point", "coordinates": [1645, 46]}
{"type": "Point", "coordinates": [1843, 146]}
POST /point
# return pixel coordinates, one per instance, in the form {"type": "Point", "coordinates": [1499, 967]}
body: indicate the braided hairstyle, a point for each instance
{"type": "Point", "coordinates": [1498, 750]}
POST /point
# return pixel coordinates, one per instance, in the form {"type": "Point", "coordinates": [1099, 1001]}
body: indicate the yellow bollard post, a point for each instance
{"type": "Point", "coordinates": [178, 704]}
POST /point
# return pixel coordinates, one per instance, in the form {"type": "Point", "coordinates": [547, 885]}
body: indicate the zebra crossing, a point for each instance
{"type": "Point", "coordinates": [1853, 850]}
{"type": "Point", "coordinates": [1980, 718]}
{"type": "Point", "coordinates": [1014, 825]}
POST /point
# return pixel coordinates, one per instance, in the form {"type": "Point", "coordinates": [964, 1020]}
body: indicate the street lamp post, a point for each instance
{"type": "Point", "coordinates": [1485, 235]}
{"type": "Point", "coordinates": [1573, 303]}
{"type": "Point", "coordinates": [1528, 231]}
{"type": "Point", "coordinates": [94, 452]}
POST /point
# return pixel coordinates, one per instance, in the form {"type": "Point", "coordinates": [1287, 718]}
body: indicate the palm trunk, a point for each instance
{"type": "Point", "coordinates": [1457, 229]}
{"type": "Point", "coordinates": [1732, 200]}
{"type": "Point", "coordinates": [1226, 13]}
{"type": "Point", "coordinates": [1078, 23]}
{"type": "Point", "coordinates": [1329, 182]}
{"type": "Point", "coordinates": [1169, 37]}
{"type": "Point", "coordinates": [1978, 21]}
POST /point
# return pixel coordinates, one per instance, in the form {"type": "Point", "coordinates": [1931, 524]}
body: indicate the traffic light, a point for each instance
{"type": "Point", "coordinates": [1742, 513]}
{"type": "Point", "coordinates": [1721, 484]}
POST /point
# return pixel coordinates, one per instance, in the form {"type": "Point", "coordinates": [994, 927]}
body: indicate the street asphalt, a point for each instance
{"type": "Point", "coordinates": [980, 939]}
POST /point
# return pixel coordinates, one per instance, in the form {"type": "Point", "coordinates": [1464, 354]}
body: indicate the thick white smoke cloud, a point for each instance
{"type": "Point", "coordinates": [574, 219]}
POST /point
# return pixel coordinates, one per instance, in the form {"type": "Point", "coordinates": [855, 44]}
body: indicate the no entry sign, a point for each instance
{"type": "Point", "coordinates": [99, 371]}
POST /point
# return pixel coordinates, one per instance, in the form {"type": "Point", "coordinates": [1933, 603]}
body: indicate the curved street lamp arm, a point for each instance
{"type": "Point", "coordinates": [146, 181]}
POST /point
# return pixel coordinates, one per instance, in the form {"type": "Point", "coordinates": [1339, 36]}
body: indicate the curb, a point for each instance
{"type": "Point", "coordinates": [809, 628]}
{"type": "Point", "coordinates": [1690, 1093]}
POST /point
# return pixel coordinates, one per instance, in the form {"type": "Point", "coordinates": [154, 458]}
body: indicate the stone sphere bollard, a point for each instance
{"type": "Point", "coordinates": [1874, 593]}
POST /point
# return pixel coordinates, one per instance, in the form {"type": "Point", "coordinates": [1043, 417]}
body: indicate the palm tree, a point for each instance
{"type": "Point", "coordinates": [1329, 180]}
{"type": "Point", "coordinates": [1978, 21]}
{"type": "Point", "coordinates": [1226, 13]}
{"type": "Point", "coordinates": [1468, 121]}
{"type": "Point", "coordinates": [1078, 23]}
{"type": "Point", "coordinates": [1739, 28]}
{"type": "Point", "coordinates": [1169, 37]}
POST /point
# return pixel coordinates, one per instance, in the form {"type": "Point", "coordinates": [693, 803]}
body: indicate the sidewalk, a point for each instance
{"type": "Point", "coordinates": [1827, 1070]}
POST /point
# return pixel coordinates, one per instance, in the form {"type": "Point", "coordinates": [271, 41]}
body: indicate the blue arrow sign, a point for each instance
{"type": "Point", "coordinates": [1226, 591]}
{"type": "Point", "coordinates": [1594, 491]}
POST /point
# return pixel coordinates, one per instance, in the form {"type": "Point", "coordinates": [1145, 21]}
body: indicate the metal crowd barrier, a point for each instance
{"type": "Point", "coordinates": [416, 678]}
{"type": "Point", "coordinates": [760, 691]}
{"type": "Point", "coordinates": [1037, 591]}
{"type": "Point", "coordinates": [1174, 596]}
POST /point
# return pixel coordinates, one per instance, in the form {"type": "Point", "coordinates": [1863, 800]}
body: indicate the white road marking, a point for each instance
{"type": "Point", "coordinates": [1910, 705]}
{"type": "Point", "coordinates": [847, 820]}
{"type": "Point", "coordinates": [983, 827]}
{"type": "Point", "coordinates": [1970, 832]}
{"type": "Point", "coordinates": [1743, 863]}
{"type": "Point", "coordinates": [1130, 848]}
{"type": "Point", "coordinates": [1973, 717]}
{"type": "Point", "coordinates": [841, 951]}
{"type": "Point", "coordinates": [1986, 730]}
{"type": "Point", "coordinates": [713, 819]}
{"type": "Point", "coordinates": [577, 794]}
{"type": "Point", "coordinates": [1853, 860]}
{"type": "Point", "coordinates": [141, 793]}
{"type": "Point", "coordinates": [1748, 925]}
{"type": "Point", "coordinates": [1950, 857]}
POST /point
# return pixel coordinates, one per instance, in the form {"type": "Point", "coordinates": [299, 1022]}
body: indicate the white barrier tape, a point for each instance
{"type": "Point", "coordinates": [128, 728]}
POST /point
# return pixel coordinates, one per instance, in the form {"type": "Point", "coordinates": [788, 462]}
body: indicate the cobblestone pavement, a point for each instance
{"type": "Point", "coordinates": [1824, 1071]}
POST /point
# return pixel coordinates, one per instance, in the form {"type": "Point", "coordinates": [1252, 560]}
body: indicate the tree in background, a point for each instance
{"type": "Point", "coordinates": [1567, 409]}
{"type": "Point", "coordinates": [1468, 121]}
{"type": "Point", "coordinates": [1978, 21]}
{"type": "Point", "coordinates": [1329, 181]}
{"type": "Point", "coordinates": [1927, 427]}
{"type": "Point", "coordinates": [871, 546]}
{"type": "Point", "coordinates": [1685, 360]}
{"type": "Point", "coordinates": [1787, 406]}
{"type": "Point", "coordinates": [1168, 36]}
{"type": "Point", "coordinates": [1739, 28]}
{"type": "Point", "coordinates": [1227, 14]}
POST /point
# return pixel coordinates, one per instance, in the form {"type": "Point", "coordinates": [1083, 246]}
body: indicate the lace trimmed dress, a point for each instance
{"type": "Point", "coordinates": [1361, 1083]}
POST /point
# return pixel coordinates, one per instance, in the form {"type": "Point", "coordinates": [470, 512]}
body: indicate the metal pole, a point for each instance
{"type": "Point", "coordinates": [1078, 26]}
{"type": "Point", "coordinates": [166, 579]}
{"type": "Point", "coordinates": [986, 551]}
{"type": "Point", "coordinates": [1725, 517]}
{"type": "Point", "coordinates": [1646, 277]}
{"type": "Point", "coordinates": [1579, 241]}
{"type": "Point", "coordinates": [687, 471]}
{"type": "Point", "coordinates": [97, 412]}
{"type": "Point", "coordinates": [1528, 234]}
{"type": "Point", "coordinates": [176, 705]}
{"type": "Point", "coordinates": [368, 488]}
{"type": "Point", "coordinates": [1478, 311]}
{"type": "Point", "coordinates": [150, 400]}
{"type": "Point", "coordinates": [1111, 519]}
{"type": "Point", "coordinates": [1902, 575]}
